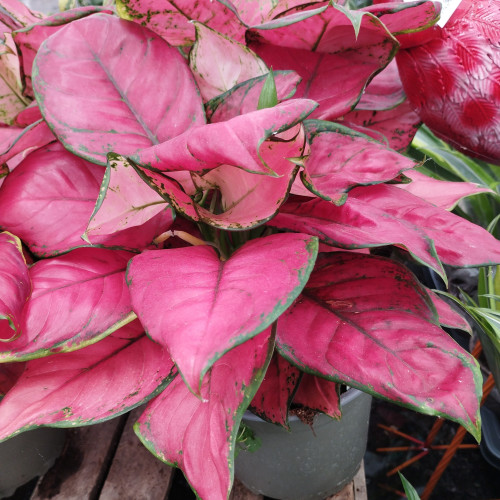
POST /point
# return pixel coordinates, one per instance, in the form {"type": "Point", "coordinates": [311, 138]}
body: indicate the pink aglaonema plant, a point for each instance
{"type": "Point", "coordinates": [195, 231]}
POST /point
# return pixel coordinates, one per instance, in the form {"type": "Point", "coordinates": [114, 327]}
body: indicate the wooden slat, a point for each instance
{"type": "Point", "coordinates": [360, 492]}
{"type": "Point", "coordinates": [135, 472]}
{"type": "Point", "coordinates": [80, 471]}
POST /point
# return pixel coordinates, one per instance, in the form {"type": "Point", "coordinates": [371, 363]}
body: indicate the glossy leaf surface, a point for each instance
{"type": "Point", "coordinates": [112, 115]}
{"type": "Point", "coordinates": [244, 98]}
{"type": "Point", "coordinates": [188, 296]}
{"type": "Point", "coordinates": [171, 20]}
{"type": "Point", "coordinates": [219, 63]}
{"type": "Point", "coordinates": [15, 286]}
{"type": "Point", "coordinates": [274, 396]}
{"type": "Point", "coordinates": [198, 435]}
{"type": "Point", "coordinates": [92, 278]}
{"type": "Point", "coordinates": [323, 49]}
{"type": "Point", "coordinates": [235, 142]}
{"type": "Point", "coordinates": [125, 200]}
{"type": "Point", "coordinates": [341, 159]}
{"type": "Point", "coordinates": [86, 387]}
{"type": "Point", "coordinates": [367, 322]}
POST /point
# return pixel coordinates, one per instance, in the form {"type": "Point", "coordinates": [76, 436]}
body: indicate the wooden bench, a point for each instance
{"type": "Point", "coordinates": [108, 462]}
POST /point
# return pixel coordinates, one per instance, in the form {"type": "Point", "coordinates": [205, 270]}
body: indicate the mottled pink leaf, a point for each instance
{"type": "Point", "coordinates": [30, 114]}
{"type": "Point", "coordinates": [443, 194]}
{"type": "Point", "coordinates": [32, 137]}
{"type": "Point", "coordinates": [49, 198]}
{"type": "Point", "coordinates": [319, 394]}
{"type": "Point", "coordinates": [188, 296]}
{"type": "Point", "coordinates": [15, 286]}
{"type": "Point", "coordinates": [448, 316]}
{"type": "Point", "coordinates": [125, 200]}
{"type": "Point", "coordinates": [367, 322]}
{"type": "Point", "coordinates": [406, 17]}
{"type": "Point", "coordinates": [334, 63]}
{"type": "Point", "coordinates": [87, 386]}
{"type": "Point", "coordinates": [30, 38]}
{"type": "Point", "coordinates": [236, 142]}
{"type": "Point", "coordinates": [219, 63]}
{"type": "Point", "coordinates": [244, 98]}
{"type": "Point", "coordinates": [171, 20]}
{"type": "Point", "coordinates": [274, 396]}
{"type": "Point", "coordinates": [91, 66]}
{"type": "Point", "coordinates": [341, 159]}
{"type": "Point", "coordinates": [199, 435]}
{"type": "Point", "coordinates": [398, 125]}
{"type": "Point", "coordinates": [385, 91]}
{"type": "Point", "coordinates": [91, 278]}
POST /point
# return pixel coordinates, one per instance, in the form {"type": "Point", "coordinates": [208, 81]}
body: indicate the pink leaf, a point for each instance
{"type": "Point", "coordinates": [188, 296]}
{"type": "Point", "coordinates": [86, 386]}
{"type": "Point", "coordinates": [91, 278]}
{"type": "Point", "coordinates": [15, 286]}
{"type": "Point", "coordinates": [9, 373]}
{"type": "Point", "coordinates": [15, 14]}
{"type": "Point", "coordinates": [111, 113]}
{"type": "Point", "coordinates": [341, 159]}
{"type": "Point", "coordinates": [344, 47]}
{"type": "Point", "coordinates": [406, 17]}
{"type": "Point", "coordinates": [274, 396]}
{"type": "Point", "coordinates": [219, 63]}
{"type": "Point", "coordinates": [448, 316]}
{"type": "Point", "coordinates": [367, 322]}
{"type": "Point", "coordinates": [319, 394]}
{"type": "Point", "coordinates": [244, 98]}
{"type": "Point", "coordinates": [30, 38]}
{"type": "Point", "coordinates": [443, 194]}
{"type": "Point", "coordinates": [49, 198]}
{"type": "Point", "coordinates": [125, 200]}
{"type": "Point", "coordinates": [235, 142]}
{"type": "Point", "coordinates": [172, 20]}
{"type": "Point", "coordinates": [199, 435]}
{"type": "Point", "coordinates": [28, 115]}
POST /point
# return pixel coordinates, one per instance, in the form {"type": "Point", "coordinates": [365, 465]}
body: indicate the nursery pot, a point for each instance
{"type": "Point", "coordinates": [308, 462]}
{"type": "Point", "coordinates": [28, 455]}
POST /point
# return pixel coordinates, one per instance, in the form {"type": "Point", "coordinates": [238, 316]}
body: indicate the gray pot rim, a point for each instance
{"type": "Point", "coordinates": [345, 398]}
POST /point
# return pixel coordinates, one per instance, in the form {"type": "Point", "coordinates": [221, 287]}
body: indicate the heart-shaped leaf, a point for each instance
{"type": "Point", "coordinates": [125, 200]}
{"type": "Point", "coordinates": [49, 198]}
{"type": "Point", "coordinates": [341, 159]}
{"type": "Point", "coordinates": [188, 296]}
{"type": "Point", "coordinates": [30, 38]}
{"type": "Point", "coordinates": [274, 397]}
{"type": "Point", "coordinates": [362, 320]}
{"type": "Point", "coordinates": [443, 194]}
{"type": "Point", "coordinates": [336, 52]}
{"type": "Point", "coordinates": [109, 112]}
{"type": "Point", "coordinates": [87, 386]}
{"type": "Point", "coordinates": [236, 142]}
{"type": "Point", "coordinates": [244, 98]}
{"type": "Point", "coordinates": [319, 394]}
{"type": "Point", "coordinates": [15, 286]}
{"type": "Point", "coordinates": [172, 20]}
{"type": "Point", "coordinates": [198, 435]}
{"type": "Point", "coordinates": [219, 62]}
{"type": "Point", "coordinates": [91, 278]}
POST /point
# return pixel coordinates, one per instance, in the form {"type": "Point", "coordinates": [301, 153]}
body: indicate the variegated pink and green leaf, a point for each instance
{"type": "Point", "coordinates": [86, 387]}
{"type": "Point", "coordinates": [367, 322]}
{"type": "Point", "coordinates": [275, 394]}
{"type": "Point", "coordinates": [15, 286]}
{"type": "Point", "coordinates": [77, 299]}
{"type": "Point", "coordinates": [448, 317]}
{"type": "Point", "coordinates": [219, 63]}
{"type": "Point", "coordinates": [199, 434]}
{"type": "Point", "coordinates": [244, 98]}
{"type": "Point", "coordinates": [341, 159]}
{"type": "Point", "coordinates": [15, 14]}
{"type": "Point", "coordinates": [173, 20]}
{"type": "Point", "coordinates": [319, 394]}
{"type": "Point", "coordinates": [189, 296]}
{"type": "Point", "coordinates": [111, 112]}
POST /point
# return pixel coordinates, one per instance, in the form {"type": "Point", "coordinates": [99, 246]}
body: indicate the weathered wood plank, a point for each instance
{"type": "Point", "coordinates": [360, 492]}
{"type": "Point", "coordinates": [78, 474]}
{"type": "Point", "coordinates": [135, 472]}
